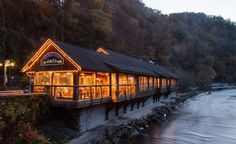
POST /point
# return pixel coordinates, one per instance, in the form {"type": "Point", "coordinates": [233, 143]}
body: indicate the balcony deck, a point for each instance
{"type": "Point", "coordinates": [79, 101]}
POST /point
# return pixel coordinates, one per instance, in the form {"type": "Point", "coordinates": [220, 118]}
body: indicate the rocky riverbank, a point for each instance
{"type": "Point", "coordinates": [111, 133]}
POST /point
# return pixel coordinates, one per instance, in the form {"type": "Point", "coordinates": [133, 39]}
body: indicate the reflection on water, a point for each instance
{"type": "Point", "coordinates": [206, 119]}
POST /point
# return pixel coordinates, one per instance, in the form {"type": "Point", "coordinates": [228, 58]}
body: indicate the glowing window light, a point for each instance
{"type": "Point", "coordinates": [41, 51]}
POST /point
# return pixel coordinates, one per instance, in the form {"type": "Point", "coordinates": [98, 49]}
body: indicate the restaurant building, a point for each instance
{"type": "Point", "coordinates": [96, 86]}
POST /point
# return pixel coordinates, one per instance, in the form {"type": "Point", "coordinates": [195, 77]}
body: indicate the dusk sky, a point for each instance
{"type": "Point", "coordinates": [224, 8]}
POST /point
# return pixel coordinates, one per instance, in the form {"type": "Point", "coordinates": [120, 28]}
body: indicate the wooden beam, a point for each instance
{"type": "Point", "coordinates": [110, 92]}
{"type": "Point", "coordinates": [109, 107]}
{"type": "Point", "coordinates": [76, 88]}
{"type": "Point", "coordinates": [137, 84]}
{"type": "Point", "coordinates": [118, 105]}
{"type": "Point", "coordinates": [125, 107]}
{"type": "Point", "coordinates": [117, 85]}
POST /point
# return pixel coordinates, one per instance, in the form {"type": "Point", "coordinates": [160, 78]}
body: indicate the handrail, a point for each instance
{"type": "Point", "coordinates": [85, 85]}
{"type": "Point", "coordinates": [90, 92]}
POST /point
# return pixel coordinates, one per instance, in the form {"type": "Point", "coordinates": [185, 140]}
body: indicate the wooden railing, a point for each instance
{"type": "Point", "coordinates": [90, 92]}
{"type": "Point", "coordinates": [68, 92]}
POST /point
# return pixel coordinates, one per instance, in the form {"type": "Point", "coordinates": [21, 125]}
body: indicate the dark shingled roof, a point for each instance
{"type": "Point", "coordinates": [94, 61]}
{"type": "Point", "coordinates": [87, 59]}
{"type": "Point", "coordinates": [125, 63]}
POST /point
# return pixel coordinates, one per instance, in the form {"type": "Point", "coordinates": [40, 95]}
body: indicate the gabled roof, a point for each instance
{"type": "Point", "coordinates": [87, 59]}
{"type": "Point", "coordinates": [125, 63]}
{"type": "Point", "coordinates": [104, 60]}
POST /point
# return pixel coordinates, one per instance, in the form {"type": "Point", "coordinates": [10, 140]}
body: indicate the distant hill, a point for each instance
{"type": "Point", "coordinates": [196, 46]}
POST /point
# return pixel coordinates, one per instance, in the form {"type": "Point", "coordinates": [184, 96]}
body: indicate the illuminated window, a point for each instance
{"type": "Point", "coordinates": [103, 51]}
{"type": "Point", "coordinates": [155, 83]}
{"type": "Point", "coordinates": [64, 84]}
{"type": "Point", "coordinates": [173, 83]}
{"type": "Point", "coordinates": [93, 85]}
{"type": "Point", "coordinates": [127, 85]}
{"type": "Point", "coordinates": [131, 88]}
{"type": "Point", "coordinates": [102, 81]}
{"type": "Point", "coordinates": [87, 85]}
{"type": "Point", "coordinates": [87, 78]}
{"type": "Point", "coordinates": [40, 80]}
{"type": "Point", "coordinates": [164, 82]}
{"type": "Point", "coordinates": [143, 83]}
{"type": "Point", "coordinates": [114, 85]}
{"type": "Point", "coordinates": [123, 81]}
{"type": "Point", "coordinates": [150, 83]}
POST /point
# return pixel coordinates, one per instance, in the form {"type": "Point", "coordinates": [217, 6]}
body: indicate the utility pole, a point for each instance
{"type": "Point", "coordinates": [6, 64]}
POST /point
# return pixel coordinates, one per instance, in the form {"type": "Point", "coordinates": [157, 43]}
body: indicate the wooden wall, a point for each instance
{"type": "Point", "coordinates": [66, 66]}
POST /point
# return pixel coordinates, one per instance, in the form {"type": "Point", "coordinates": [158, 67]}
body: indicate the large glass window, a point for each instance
{"type": "Point", "coordinates": [40, 80]}
{"type": "Point", "coordinates": [127, 85]}
{"type": "Point", "coordinates": [143, 83]}
{"type": "Point", "coordinates": [87, 78]}
{"type": "Point", "coordinates": [164, 82]}
{"type": "Point", "coordinates": [114, 85]}
{"type": "Point", "coordinates": [155, 83]}
{"type": "Point", "coordinates": [87, 81]}
{"type": "Point", "coordinates": [102, 81]}
{"type": "Point", "coordinates": [150, 83]}
{"type": "Point", "coordinates": [63, 82]}
{"type": "Point", "coordinates": [123, 81]}
{"type": "Point", "coordinates": [173, 83]}
{"type": "Point", "coordinates": [93, 85]}
{"type": "Point", "coordinates": [131, 88]}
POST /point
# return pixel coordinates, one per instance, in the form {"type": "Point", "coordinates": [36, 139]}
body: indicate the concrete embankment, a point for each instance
{"type": "Point", "coordinates": [133, 123]}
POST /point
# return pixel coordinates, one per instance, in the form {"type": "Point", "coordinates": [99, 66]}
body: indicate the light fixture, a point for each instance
{"type": "Point", "coordinates": [82, 74]}
{"type": "Point", "coordinates": [1, 64]}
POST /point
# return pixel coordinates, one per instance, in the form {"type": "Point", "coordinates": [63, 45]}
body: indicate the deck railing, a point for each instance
{"type": "Point", "coordinates": [89, 92]}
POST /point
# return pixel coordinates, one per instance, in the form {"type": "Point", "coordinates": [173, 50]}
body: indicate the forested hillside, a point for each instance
{"type": "Point", "coordinates": [195, 46]}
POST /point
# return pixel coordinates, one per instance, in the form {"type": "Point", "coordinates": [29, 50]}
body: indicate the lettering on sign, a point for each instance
{"type": "Point", "coordinates": [52, 59]}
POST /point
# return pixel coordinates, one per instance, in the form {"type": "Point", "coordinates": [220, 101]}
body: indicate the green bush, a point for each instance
{"type": "Point", "coordinates": [19, 115]}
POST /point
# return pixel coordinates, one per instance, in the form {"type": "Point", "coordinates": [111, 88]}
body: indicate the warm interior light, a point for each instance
{"type": "Point", "coordinates": [101, 50]}
{"type": "Point", "coordinates": [41, 51]}
{"type": "Point", "coordinates": [82, 74]}
{"type": "Point", "coordinates": [12, 64]}
{"type": "Point", "coordinates": [1, 64]}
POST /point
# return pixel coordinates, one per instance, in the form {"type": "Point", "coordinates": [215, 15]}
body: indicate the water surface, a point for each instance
{"type": "Point", "coordinates": [205, 119]}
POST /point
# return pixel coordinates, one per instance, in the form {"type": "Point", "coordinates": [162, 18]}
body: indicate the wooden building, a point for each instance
{"type": "Point", "coordinates": [79, 78]}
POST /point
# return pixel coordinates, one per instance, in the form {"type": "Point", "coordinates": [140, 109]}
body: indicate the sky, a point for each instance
{"type": "Point", "coordinates": [224, 8]}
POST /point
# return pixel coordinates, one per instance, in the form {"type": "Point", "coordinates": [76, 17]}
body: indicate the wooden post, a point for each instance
{"type": "Point", "coordinates": [138, 104]}
{"type": "Point", "coordinates": [125, 106]}
{"type": "Point", "coordinates": [153, 83]}
{"type": "Point", "coordinates": [110, 93]}
{"type": "Point", "coordinates": [109, 107]}
{"type": "Point", "coordinates": [132, 105]}
{"type": "Point", "coordinates": [143, 102]}
{"type": "Point", "coordinates": [107, 113]}
{"type": "Point", "coordinates": [160, 85]}
{"type": "Point", "coordinates": [117, 109]}
{"type": "Point", "coordinates": [95, 88]}
{"type": "Point", "coordinates": [137, 84]}
{"type": "Point", "coordinates": [75, 87]}
{"type": "Point", "coordinates": [117, 85]}
{"type": "Point", "coordinates": [52, 88]}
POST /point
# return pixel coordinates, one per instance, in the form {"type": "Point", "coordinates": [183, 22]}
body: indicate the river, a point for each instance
{"type": "Point", "coordinates": [204, 119]}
